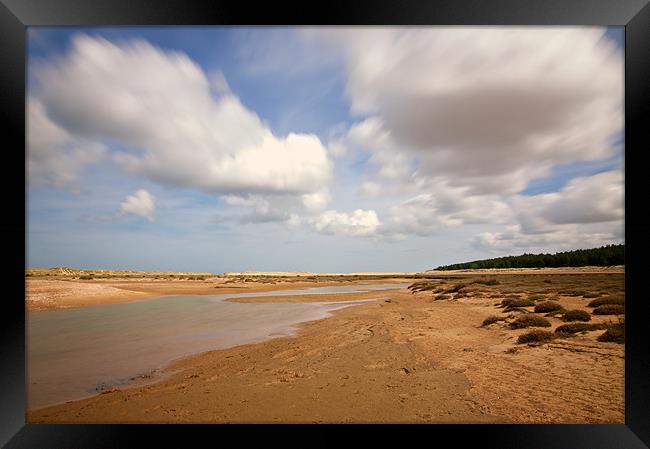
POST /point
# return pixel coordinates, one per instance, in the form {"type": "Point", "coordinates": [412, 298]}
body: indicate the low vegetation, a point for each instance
{"type": "Point", "coordinates": [574, 328]}
{"type": "Point", "coordinates": [422, 286]}
{"type": "Point", "coordinates": [607, 300]}
{"type": "Point", "coordinates": [537, 297]}
{"type": "Point", "coordinates": [491, 320]}
{"type": "Point", "coordinates": [591, 295]}
{"type": "Point", "coordinates": [486, 281]}
{"type": "Point", "coordinates": [614, 333]}
{"type": "Point", "coordinates": [536, 336]}
{"type": "Point", "coordinates": [548, 306]}
{"type": "Point", "coordinates": [529, 320]}
{"type": "Point", "coordinates": [510, 303]}
{"type": "Point", "coordinates": [455, 288]}
{"type": "Point", "coordinates": [576, 315]}
{"type": "Point", "coordinates": [609, 309]}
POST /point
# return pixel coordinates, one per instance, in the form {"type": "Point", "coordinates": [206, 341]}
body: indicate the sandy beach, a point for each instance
{"type": "Point", "coordinates": [412, 357]}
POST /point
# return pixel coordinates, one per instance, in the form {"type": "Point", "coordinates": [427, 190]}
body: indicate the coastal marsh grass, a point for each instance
{"type": "Point", "coordinates": [591, 295]}
{"type": "Point", "coordinates": [609, 309]}
{"type": "Point", "coordinates": [455, 288]}
{"type": "Point", "coordinates": [548, 306]}
{"type": "Point", "coordinates": [607, 300]}
{"type": "Point", "coordinates": [529, 320]}
{"type": "Point", "coordinates": [511, 303]}
{"type": "Point", "coordinates": [486, 281]}
{"type": "Point", "coordinates": [576, 315]}
{"type": "Point", "coordinates": [615, 333]}
{"type": "Point", "coordinates": [491, 320]}
{"type": "Point", "coordinates": [536, 336]}
{"type": "Point", "coordinates": [537, 297]}
{"type": "Point", "coordinates": [574, 328]}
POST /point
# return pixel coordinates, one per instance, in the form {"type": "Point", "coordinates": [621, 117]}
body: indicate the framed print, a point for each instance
{"type": "Point", "coordinates": [353, 214]}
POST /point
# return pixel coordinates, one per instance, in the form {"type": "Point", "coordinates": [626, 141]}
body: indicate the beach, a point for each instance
{"type": "Point", "coordinates": [408, 357]}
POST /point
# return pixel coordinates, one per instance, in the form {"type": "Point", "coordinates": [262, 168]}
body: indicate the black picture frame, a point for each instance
{"type": "Point", "coordinates": [16, 15]}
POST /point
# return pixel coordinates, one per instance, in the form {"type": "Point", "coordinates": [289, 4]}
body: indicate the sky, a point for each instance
{"type": "Point", "coordinates": [322, 149]}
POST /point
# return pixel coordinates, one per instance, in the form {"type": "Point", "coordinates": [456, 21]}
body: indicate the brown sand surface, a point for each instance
{"type": "Point", "coordinates": [412, 358]}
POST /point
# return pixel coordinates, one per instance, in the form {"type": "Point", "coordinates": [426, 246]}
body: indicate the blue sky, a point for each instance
{"type": "Point", "coordinates": [320, 149]}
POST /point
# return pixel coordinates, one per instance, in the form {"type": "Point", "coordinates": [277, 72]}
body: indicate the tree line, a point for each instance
{"type": "Point", "coordinates": [604, 256]}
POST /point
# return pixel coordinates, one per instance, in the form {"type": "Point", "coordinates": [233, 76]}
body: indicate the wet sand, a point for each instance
{"type": "Point", "coordinates": [410, 358]}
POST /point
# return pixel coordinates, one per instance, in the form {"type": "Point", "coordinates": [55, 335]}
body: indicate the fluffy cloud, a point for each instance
{"type": "Point", "coordinates": [258, 209]}
{"type": "Point", "coordinates": [316, 202]}
{"type": "Point", "coordinates": [446, 207]}
{"type": "Point", "coordinates": [54, 156]}
{"type": "Point", "coordinates": [141, 203]}
{"type": "Point", "coordinates": [358, 223]}
{"type": "Point", "coordinates": [588, 211]}
{"type": "Point", "coordinates": [158, 105]}
{"type": "Point", "coordinates": [486, 108]}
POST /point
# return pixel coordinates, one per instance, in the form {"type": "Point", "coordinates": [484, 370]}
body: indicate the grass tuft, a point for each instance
{"type": "Point", "coordinates": [455, 288]}
{"type": "Point", "coordinates": [536, 336]}
{"type": "Point", "coordinates": [491, 320]}
{"type": "Point", "coordinates": [614, 333]}
{"type": "Point", "coordinates": [529, 320]}
{"type": "Point", "coordinates": [574, 328]}
{"type": "Point", "coordinates": [576, 315]}
{"type": "Point", "coordinates": [486, 282]}
{"type": "Point", "coordinates": [536, 297]}
{"type": "Point", "coordinates": [511, 303]}
{"type": "Point", "coordinates": [548, 306]}
{"type": "Point", "coordinates": [609, 309]}
{"type": "Point", "coordinates": [591, 295]}
{"type": "Point", "coordinates": [607, 300]}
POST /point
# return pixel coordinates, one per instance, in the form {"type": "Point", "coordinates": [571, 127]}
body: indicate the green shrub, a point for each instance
{"type": "Point", "coordinates": [535, 336]}
{"type": "Point", "coordinates": [86, 277]}
{"type": "Point", "coordinates": [529, 320]}
{"type": "Point", "coordinates": [607, 300]}
{"type": "Point", "coordinates": [609, 309]}
{"type": "Point", "coordinates": [574, 328]}
{"type": "Point", "coordinates": [548, 306]}
{"type": "Point", "coordinates": [536, 297]}
{"type": "Point", "coordinates": [576, 315]}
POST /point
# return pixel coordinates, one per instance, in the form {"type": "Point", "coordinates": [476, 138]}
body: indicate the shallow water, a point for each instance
{"type": "Point", "coordinates": [75, 353]}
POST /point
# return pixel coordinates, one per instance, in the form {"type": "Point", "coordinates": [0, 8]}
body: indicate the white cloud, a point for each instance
{"type": "Point", "coordinates": [54, 156]}
{"type": "Point", "coordinates": [316, 202]}
{"type": "Point", "coordinates": [159, 105]}
{"type": "Point", "coordinates": [446, 207]}
{"type": "Point", "coordinates": [490, 108]}
{"type": "Point", "coordinates": [358, 223]}
{"type": "Point", "coordinates": [141, 203]}
{"type": "Point", "coordinates": [259, 208]}
{"type": "Point", "coordinates": [587, 212]}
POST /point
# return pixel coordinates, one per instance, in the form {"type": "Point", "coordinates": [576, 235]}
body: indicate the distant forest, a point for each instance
{"type": "Point", "coordinates": [603, 256]}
